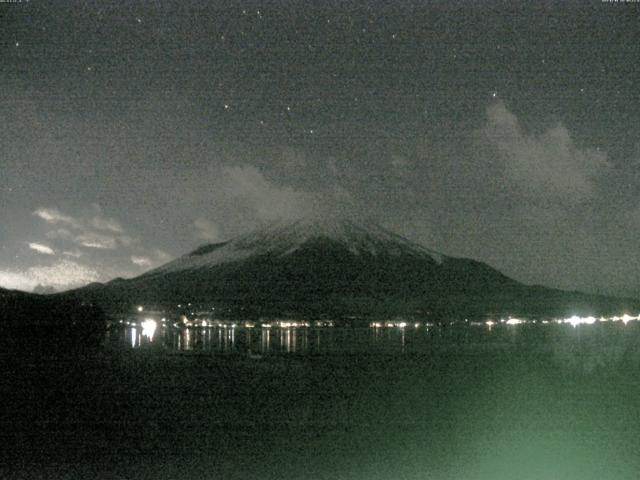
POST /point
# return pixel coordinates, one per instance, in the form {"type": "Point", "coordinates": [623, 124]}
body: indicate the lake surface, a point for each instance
{"type": "Point", "coordinates": [303, 340]}
{"type": "Point", "coordinates": [456, 402]}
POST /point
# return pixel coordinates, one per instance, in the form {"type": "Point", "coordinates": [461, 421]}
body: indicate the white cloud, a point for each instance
{"type": "Point", "coordinates": [268, 200]}
{"type": "Point", "coordinates": [103, 223]}
{"type": "Point", "coordinates": [141, 261]}
{"type": "Point", "coordinates": [94, 237]}
{"type": "Point", "coordinates": [549, 166]}
{"type": "Point", "coordinates": [55, 216]}
{"type": "Point", "coordinates": [40, 248]}
{"type": "Point", "coordinates": [206, 229]}
{"type": "Point", "coordinates": [155, 258]}
{"type": "Point", "coordinates": [62, 275]}
{"type": "Point", "coordinates": [96, 240]}
{"type": "Point", "coordinates": [96, 231]}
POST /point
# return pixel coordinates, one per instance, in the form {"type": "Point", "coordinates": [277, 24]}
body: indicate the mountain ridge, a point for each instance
{"type": "Point", "coordinates": [314, 268]}
{"type": "Point", "coordinates": [286, 237]}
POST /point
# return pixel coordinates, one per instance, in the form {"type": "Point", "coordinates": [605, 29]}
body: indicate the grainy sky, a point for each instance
{"type": "Point", "coordinates": [133, 132]}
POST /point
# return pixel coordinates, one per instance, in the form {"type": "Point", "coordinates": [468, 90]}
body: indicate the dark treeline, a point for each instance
{"type": "Point", "coordinates": [39, 321]}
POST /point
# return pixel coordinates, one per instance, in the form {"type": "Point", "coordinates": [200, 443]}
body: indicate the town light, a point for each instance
{"type": "Point", "coordinates": [149, 327]}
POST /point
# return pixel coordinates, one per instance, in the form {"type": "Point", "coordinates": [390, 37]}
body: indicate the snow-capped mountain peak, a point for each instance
{"type": "Point", "coordinates": [285, 238]}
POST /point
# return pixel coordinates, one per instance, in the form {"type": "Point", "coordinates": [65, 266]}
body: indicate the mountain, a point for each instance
{"type": "Point", "coordinates": [339, 268]}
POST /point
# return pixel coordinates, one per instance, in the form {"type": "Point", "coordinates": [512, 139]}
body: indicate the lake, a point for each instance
{"type": "Point", "coordinates": [443, 402]}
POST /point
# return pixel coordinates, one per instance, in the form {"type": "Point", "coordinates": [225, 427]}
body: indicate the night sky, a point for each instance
{"type": "Point", "coordinates": [506, 132]}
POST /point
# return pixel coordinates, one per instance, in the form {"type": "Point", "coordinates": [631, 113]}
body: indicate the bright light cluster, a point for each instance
{"type": "Point", "coordinates": [515, 321]}
{"type": "Point", "coordinates": [149, 327]}
{"type": "Point", "coordinates": [574, 320]}
{"type": "Point", "coordinates": [395, 324]}
{"type": "Point", "coordinates": [288, 324]}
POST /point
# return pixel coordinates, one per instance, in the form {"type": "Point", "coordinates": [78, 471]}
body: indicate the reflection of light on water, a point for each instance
{"type": "Point", "coordinates": [149, 328]}
{"type": "Point", "coordinates": [134, 336]}
{"type": "Point", "coordinates": [265, 341]}
{"type": "Point", "coordinates": [186, 340]}
{"type": "Point", "coordinates": [227, 338]}
{"type": "Point", "coordinates": [288, 339]}
{"type": "Point", "coordinates": [219, 337]}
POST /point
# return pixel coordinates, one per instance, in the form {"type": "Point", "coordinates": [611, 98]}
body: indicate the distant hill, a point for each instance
{"type": "Point", "coordinates": [44, 290]}
{"type": "Point", "coordinates": [340, 268]}
{"type": "Point", "coordinates": [30, 320]}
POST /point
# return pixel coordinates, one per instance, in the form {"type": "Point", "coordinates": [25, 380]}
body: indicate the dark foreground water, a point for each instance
{"type": "Point", "coordinates": [521, 402]}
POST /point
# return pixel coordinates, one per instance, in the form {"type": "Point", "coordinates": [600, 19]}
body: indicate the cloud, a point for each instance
{"type": "Point", "coordinates": [103, 223]}
{"type": "Point", "coordinates": [55, 216]}
{"type": "Point", "coordinates": [62, 275]}
{"type": "Point", "coordinates": [156, 258]}
{"type": "Point", "coordinates": [266, 199]}
{"type": "Point", "coordinates": [94, 231]}
{"type": "Point", "coordinates": [546, 167]}
{"type": "Point", "coordinates": [141, 261]}
{"type": "Point", "coordinates": [96, 240]}
{"type": "Point", "coordinates": [40, 248]}
{"type": "Point", "coordinates": [206, 229]}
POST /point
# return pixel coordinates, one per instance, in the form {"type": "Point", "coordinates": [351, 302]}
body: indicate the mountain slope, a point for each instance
{"type": "Point", "coordinates": [337, 268]}
{"type": "Point", "coordinates": [284, 239]}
